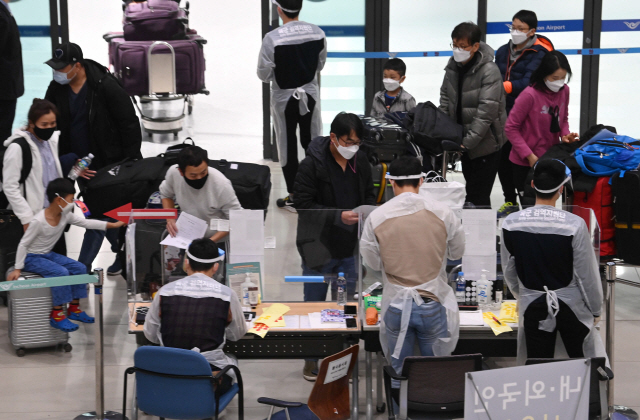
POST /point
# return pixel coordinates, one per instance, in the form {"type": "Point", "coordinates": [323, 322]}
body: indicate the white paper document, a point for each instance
{"type": "Point", "coordinates": [220, 225]}
{"type": "Point", "coordinates": [247, 232]}
{"type": "Point", "coordinates": [479, 232]}
{"type": "Point", "coordinates": [189, 229]}
{"type": "Point", "coordinates": [471, 318]}
{"type": "Point", "coordinates": [269, 242]}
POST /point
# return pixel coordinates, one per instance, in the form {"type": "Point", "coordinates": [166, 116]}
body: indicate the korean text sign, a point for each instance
{"type": "Point", "coordinates": [549, 391]}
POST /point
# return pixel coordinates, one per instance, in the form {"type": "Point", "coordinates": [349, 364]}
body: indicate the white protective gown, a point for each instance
{"type": "Point", "coordinates": [403, 297]}
{"type": "Point", "coordinates": [199, 285]}
{"type": "Point", "coordinates": [583, 295]}
{"type": "Point", "coordinates": [291, 34]}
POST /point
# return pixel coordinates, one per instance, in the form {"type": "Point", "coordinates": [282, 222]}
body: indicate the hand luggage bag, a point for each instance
{"type": "Point", "coordinates": [601, 201]}
{"type": "Point", "coordinates": [251, 182]}
{"type": "Point", "coordinates": [155, 20]}
{"type": "Point", "coordinates": [130, 64]}
{"type": "Point", "coordinates": [429, 126]}
{"type": "Point", "coordinates": [29, 312]}
{"type": "Point", "coordinates": [11, 231]}
{"type": "Point", "coordinates": [384, 141]}
{"type": "Point", "coordinates": [626, 203]}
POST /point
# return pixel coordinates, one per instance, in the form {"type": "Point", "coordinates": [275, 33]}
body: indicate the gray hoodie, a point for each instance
{"type": "Point", "coordinates": [483, 103]}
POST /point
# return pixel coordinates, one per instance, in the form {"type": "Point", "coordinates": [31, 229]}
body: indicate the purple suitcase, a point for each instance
{"type": "Point", "coordinates": [155, 20]}
{"type": "Point", "coordinates": [129, 60]}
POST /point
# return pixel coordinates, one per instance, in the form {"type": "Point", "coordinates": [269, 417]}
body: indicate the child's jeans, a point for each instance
{"type": "Point", "coordinates": [56, 265]}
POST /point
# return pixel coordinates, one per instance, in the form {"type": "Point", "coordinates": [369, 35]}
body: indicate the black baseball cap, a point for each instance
{"type": "Point", "coordinates": [65, 54]}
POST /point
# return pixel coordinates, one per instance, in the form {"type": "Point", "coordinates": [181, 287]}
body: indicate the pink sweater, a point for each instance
{"type": "Point", "coordinates": [528, 124]}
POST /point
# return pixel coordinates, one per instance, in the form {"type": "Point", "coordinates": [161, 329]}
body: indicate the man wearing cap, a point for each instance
{"type": "Point", "coordinates": [11, 75]}
{"type": "Point", "coordinates": [95, 116]}
{"type": "Point", "coordinates": [291, 57]}
{"type": "Point", "coordinates": [551, 267]}
{"type": "Point", "coordinates": [409, 239]}
{"type": "Point", "coordinates": [197, 312]}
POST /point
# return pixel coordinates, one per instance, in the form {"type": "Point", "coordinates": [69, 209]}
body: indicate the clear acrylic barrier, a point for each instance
{"type": "Point", "coordinates": [589, 217]}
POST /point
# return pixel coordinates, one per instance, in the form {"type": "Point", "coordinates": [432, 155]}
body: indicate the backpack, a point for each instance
{"type": "Point", "coordinates": [607, 154]}
{"type": "Point", "coordinates": [429, 126]}
{"type": "Point", "coordinates": [27, 164]}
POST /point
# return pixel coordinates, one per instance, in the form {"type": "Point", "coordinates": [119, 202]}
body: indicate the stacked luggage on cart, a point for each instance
{"type": "Point", "coordinates": [160, 59]}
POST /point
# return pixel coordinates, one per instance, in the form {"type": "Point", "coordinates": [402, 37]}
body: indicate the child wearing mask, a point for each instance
{"type": "Point", "coordinates": [34, 253]}
{"type": "Point", "coordinates": [393, 98]}
{"type": "Point", "coordinates": [540, 117]}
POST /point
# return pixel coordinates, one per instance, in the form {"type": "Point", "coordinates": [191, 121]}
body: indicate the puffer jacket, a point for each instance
{"type": "Point", "coordinates": [516, 76]}
{"type": "Point", "coordinates": [404, 102]}
{"type": "Point", "coordinates": [315, 200]}
{"type": "Point", "coordinates": [483, 103]}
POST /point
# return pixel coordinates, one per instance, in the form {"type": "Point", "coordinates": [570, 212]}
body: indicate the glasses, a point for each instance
{"type": "Point", "coordinates": [458, 46]}
{"type": "Point", "coordinates": [352, 142]}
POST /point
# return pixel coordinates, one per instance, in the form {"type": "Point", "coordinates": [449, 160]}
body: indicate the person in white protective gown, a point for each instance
{"type": "Point", "coordinates": [550, 266]}
{"type": "Point", "coordinates": [409, 239]}
{"type": "Point", "coordinates": [291, 58]}
{"type": "Point", "coordinates": [198, 313]}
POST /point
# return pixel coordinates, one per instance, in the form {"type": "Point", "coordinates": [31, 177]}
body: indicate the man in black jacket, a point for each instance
{"type": "Point", "coordinates": [334, 175]}
{"type": "Point", "coordinates": [11, 76]}
{"type": "Point", "coordinates": [95, 116]}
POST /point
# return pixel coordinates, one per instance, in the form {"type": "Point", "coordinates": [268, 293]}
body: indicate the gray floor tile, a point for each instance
{"type": "Point", "coordinates": [626, 383]}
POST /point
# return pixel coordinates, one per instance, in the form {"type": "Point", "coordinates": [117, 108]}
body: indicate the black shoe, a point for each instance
{"type": "Point", "coordinates": [286, 203]}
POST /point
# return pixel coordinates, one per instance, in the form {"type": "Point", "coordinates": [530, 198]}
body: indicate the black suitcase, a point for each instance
{"type": "Point", "coordinates": [384, 141]}
{"type": "Point", "coordinates": [11, 232]}
{"type": "Point", "coordinates": [251, 182]}
{"type": "Point", "coordinates": [626, 205]}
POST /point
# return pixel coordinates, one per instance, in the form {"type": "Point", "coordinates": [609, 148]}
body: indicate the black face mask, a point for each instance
{"type": "Point", "coordinates": [196, 183]}
{"type": "Point", "coordinates": [43, 133]}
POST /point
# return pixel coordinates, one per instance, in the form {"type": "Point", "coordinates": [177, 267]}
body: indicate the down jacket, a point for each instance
{"type": "Point", "coordinates": [483, 103]}
{"type": "Point", "coordinates": [516, 76]}
{"type": "Point", "coordinates": [313, 191]}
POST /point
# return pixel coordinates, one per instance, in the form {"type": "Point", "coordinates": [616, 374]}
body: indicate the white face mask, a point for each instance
{"type": "Point", "coordinates": [554, 86]}
{"type": "Point", "coordinates": [391, 84]}
{"type": "Point", "coordinates": [518, 37]}
{"type": "Point", "coordinates": [66, 209]}
{"type": "Point", "coordinates": [347, 152]}
{"type": "Point", "coordinates": [460, 55]}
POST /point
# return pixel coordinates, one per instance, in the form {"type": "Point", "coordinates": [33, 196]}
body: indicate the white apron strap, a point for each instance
{"type": "Point", "coordinates": [301, 95]}
{"type": "Point", "coordinates": [553, 307]}
{"type": "Point", "coordinates": [408, 296]}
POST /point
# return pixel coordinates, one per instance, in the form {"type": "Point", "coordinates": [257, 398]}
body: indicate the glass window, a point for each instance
{"type": "Point", "coordinates": [618, 86]}
{"type": "Point", "coordinates": [547, 10]}
{"type": "Point", "coordinates": [419, 25]}
{"type": "Point", "coordinates": [33, 20]}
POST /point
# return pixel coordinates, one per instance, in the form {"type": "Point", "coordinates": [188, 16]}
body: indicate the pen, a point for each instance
{"type": "Point", "coordinates": [497, 320]}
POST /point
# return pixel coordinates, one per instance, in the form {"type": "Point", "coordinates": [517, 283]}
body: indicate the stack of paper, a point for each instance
{"type": "Point", "coordinates": [271, 317]}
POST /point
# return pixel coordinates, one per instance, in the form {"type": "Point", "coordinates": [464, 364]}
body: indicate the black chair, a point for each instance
{"type": "Point", "coordinates": [600, 377]}
{"type": "Point", "coordinates": [431, 384]}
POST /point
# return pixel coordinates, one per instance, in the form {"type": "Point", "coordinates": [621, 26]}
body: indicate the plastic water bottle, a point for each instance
{"type": "Point", "coordinates": [342, 289]}
{"type": "Point", "coordinates": [460, 287]}
{"type": "Point", "coordinates": [80, 166]}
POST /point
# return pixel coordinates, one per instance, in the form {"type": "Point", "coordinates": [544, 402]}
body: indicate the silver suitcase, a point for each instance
{"type": "Point", "coordinates": [29, 313]}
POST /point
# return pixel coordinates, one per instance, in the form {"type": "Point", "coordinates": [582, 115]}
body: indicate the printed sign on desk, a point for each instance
{"type": "Point", "coordinates": [557, 390]}
{"type": "Point", "coordinates": [337, 369]}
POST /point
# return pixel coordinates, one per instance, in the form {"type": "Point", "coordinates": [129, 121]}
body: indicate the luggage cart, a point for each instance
{"type": "Point", "coordinates": [162, 111]}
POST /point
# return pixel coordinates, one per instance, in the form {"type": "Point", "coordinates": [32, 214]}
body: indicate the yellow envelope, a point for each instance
{"type": "Point", "coordinates": [496, 327]}
{"type": "Point", "coordinates": [271, 317]}
{"type": "Point", "coordinates": [508, 313]}
{"type": "Point", "coordinates": [277, 308]}
{"type": "Point", "coordinates": [259, 329]}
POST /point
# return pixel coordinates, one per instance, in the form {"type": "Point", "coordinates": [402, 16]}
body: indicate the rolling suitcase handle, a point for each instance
{"type": "Point", "coordinates": [173, 66]}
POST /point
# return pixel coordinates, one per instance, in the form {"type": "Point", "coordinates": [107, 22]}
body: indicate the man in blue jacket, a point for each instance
{"type": "Point", "coordinates": [516, 60]}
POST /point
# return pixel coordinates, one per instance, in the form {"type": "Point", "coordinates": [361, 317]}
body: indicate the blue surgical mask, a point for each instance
{"type": "Point", "coordinates": [61, 77]}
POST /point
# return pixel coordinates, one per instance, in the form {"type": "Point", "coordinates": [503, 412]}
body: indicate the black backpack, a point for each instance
{"type": "Point", "coordinates": [429, 126]}
{"type": "Point", "coordinates": [27, 164]}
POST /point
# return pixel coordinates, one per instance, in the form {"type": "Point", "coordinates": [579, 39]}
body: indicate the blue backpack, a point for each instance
{"type": "Point", "coordinates": [608, 153]}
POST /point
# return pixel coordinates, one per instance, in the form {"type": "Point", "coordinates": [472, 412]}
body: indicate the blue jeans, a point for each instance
{"type": "Point", "coordinates": [93, 242]}
{"type": "Point", "coordinates": [427, 323]}
{"type": "Point", "coordinates": [317, 292]}
{"type": "Point", "coordinates": [56, 265]}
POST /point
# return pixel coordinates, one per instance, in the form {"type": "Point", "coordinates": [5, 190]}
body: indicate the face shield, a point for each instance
{"type": "Point", "coordinates": [219, 258]}
{"type": "Point", "coordinates": [567, 173]}
{"type": "Point", "coordinates": [283, 9]}
{"type": "Point", "coordinates": [400, 177]}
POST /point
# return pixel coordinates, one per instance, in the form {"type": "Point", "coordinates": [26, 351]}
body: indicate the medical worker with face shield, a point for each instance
{"type": "Point", "coordinates": [551, 267]}
{"type": "Point", "coordinates": [409, 239]}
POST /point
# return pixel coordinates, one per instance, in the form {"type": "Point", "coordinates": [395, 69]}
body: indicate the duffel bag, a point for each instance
{"type": "Point", "coordinates": [601, 201]}
{"type": "Point", "coordinates": [608, 153]}
{"type": "Point", "coordinates": [626, 195]}
{"type": "Point", "coordinates": [429, 126]}
{"type": "Point", "coordinates": [154, 20]}
{"type": "Point", "coordinates": [250, 181]}
{"type": "Point", "coordinates": [127, 181]}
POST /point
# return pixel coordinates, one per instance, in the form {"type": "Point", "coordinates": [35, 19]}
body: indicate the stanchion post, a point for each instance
{"type": "Point", "coordinates": [610, 277]}
{"type": "Point", "coordinates": [100, 413]}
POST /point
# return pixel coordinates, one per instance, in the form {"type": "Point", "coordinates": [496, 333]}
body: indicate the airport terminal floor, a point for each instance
{"type": "Point", "coordinates": [52, 384]}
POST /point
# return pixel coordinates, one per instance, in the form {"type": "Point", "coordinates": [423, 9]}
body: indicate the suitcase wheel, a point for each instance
{"type": "Point", "coordinates": [68, 347]}
{"type": "Point", "coordinates": [20, 352]}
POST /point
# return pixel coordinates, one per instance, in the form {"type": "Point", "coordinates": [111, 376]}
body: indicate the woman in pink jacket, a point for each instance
{"type": "Point", "coordinates": [540, 117]}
